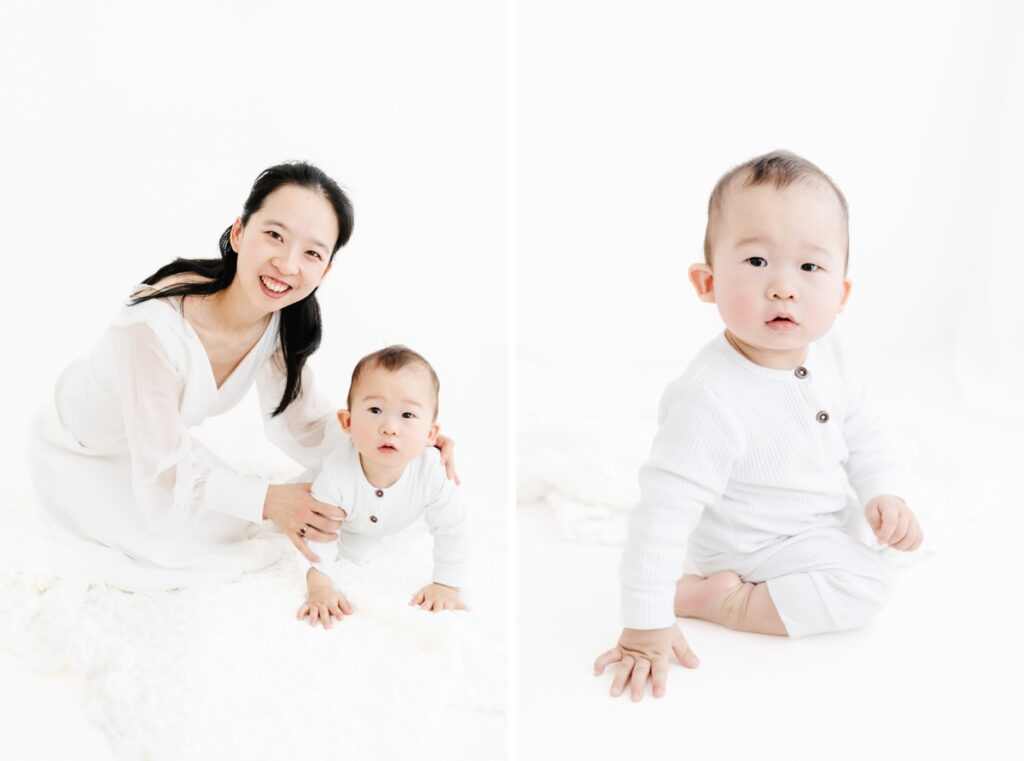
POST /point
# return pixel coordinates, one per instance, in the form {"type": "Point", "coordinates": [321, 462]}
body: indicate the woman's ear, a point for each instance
{"type": "Point", "coordinates": [345, 419]}
{"type": "Point", "coordinates": [703, 281]}
{"type": "Point", "coordinates": [236, 234]}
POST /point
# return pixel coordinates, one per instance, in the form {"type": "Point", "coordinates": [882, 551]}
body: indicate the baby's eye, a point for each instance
{"type": "Point", "coordinates": [809, 267]}
{"type": "Point", "coordinates": [375, 410]}
{"type": "Point", "coordinates": [757, 261]}
{"type": "Point", "coordinates": [274, 234]}
{"type": "Point", "coordinates": [408, 415]}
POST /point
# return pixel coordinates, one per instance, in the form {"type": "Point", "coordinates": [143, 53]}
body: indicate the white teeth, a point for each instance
{"type": "Point", "coordinates": [272, 286]}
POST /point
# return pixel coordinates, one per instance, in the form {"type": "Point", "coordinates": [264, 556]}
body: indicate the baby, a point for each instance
{"type": "Point", "coordinates": [384, 476]}
{"type": "Point", "coordinates": [760, 440]}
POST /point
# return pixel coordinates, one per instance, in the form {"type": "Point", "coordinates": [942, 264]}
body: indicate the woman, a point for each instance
{"type": "Point", "coordinates": [112, 458]}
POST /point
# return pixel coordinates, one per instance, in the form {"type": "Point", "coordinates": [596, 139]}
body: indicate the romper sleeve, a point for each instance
{"type": "Point", "coordinates": [698, 441]}
{"type": "Point", "coordinates": [174, 480]}
{"type": "Point", "coordinates": [308, 429]}
{"type": "Point", "coordinates": [873, 466]}
{"type": "Point", "coordinates": [327, 489]}
{"type": "Point", "coordinates": [445, 515]}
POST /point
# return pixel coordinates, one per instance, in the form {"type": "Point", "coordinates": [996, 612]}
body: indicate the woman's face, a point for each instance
{"type": "Point", "coordinates": [285, 247]}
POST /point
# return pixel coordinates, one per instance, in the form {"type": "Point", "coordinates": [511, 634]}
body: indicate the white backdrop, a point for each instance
{"type": "Point", "coordinates": [626, 119]}
{"type": "Point", "coordinates": [133, 136]}
{"type": "Point", "coordinates": [627, 114]}
{"type": "Point", "coordinates": [132, 132]}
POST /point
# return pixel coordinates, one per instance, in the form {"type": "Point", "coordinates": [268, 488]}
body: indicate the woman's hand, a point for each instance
{"type": "Point", "coordinates": [447, 447]}
{"type": "Point", "coordinates": [300, 517]}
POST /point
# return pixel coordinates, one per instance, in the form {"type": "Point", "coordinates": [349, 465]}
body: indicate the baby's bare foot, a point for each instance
{"type": "Point", "coordinates": [700, 597]}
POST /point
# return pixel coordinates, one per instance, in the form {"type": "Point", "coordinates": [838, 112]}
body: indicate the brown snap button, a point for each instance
{"type": "Point", "coordinates": [801, 372]}
{"type": "Point", "coordinates": [823, 417]}
{"type": "Point", "coordinates": [380, 492]}
{"type": "Point", "coordinates": [373, 519]}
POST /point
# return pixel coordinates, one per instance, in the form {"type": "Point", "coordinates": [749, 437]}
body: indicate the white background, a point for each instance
{"type": "Point", "coordinates": [627, 114]}
{"type": "Point", "coordinates": [131, 134]}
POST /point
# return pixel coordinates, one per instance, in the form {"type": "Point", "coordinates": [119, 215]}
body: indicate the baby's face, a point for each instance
{"type": "Point", "coordinates": [777, 269]}
{"type": "Point", "coordinates": [392, 417]}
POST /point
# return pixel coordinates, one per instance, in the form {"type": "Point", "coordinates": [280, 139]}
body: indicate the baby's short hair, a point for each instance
{"type": "Point", "coordinates": [779, 167]}
{"type": "Point", "coordinates": [392, 359]}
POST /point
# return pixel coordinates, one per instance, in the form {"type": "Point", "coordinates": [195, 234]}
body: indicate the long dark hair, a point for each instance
{"type": "Point", "coordinates": [300, 324]}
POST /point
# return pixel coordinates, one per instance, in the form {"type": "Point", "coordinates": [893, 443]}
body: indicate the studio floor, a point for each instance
{"type": "Point", "coordinates": [935, 676]}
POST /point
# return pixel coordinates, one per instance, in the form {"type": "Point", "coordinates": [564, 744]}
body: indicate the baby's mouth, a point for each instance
{"type": "Point", "coordinates": [387, 448]}
{"type": "Point", "coordinates": [782, 323]}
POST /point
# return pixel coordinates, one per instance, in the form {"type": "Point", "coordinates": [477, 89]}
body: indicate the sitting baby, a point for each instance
{"type": "Point", "coordinates": [760, 440]}
{"type": "Point", "coordinates": [384, 476]}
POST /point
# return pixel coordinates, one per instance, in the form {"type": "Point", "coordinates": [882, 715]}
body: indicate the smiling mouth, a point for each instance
{"type": "Point", "coordinates": [274, 288]}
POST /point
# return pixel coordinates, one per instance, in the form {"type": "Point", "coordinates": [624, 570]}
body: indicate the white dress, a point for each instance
{"type": "Point", "coordinates": [116, 469]}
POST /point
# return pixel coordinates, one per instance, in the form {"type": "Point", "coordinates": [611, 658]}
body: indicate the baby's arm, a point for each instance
{"type": "Point", "coordinates": [876, 473]}
{"type": "Point", "coordinates": [323, 602]}
{"type": "Point", "coordinates": [446, 519]}
{"type": "Point", "coordinates": [698, 442]}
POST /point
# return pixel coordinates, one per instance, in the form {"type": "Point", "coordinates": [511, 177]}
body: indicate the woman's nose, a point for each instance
{"type": "Point", "coordinates": [286, 262]}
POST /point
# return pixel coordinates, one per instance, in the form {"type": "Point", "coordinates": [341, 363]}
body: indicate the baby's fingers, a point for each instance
{"type": "Point", "coordinates": [625, 668]}
{"type": "Point", "coordinates": [890, 521]}
{"type": "Point", "coordinates": [345, 606]}
{"type": "Point", "coordinates": [303, 611]}
{"type": "Point", "coordinates": [325, 617]}
{"type": "Point", "coordinates": [417, 598]}
{"type": "Point", "coordinates": [606, 659]}
{"type": "Point", "coordinates": [639, 680]}
{"type": "Point", "coordinates": [659, 673]}
{"type": "Point", "coordinates": [685, 655]}
{"type": "Point", "coordinates": [911, 540]}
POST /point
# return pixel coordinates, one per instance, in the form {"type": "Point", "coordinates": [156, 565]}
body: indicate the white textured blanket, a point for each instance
{"type": "Point", "coordinates": [227, 671]}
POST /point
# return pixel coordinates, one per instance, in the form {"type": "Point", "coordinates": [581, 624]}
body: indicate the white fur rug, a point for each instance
{"type": "Point", "coordinates": [227, 671]}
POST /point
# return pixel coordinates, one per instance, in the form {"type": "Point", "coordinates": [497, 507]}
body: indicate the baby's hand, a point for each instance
{"type": "Point", "coordinates": [642, 653]}
{"type": "Point", "coordinates": [322, 605]}
{"type": "Point", "coordinates": [437, 597]}
{"type": "Point", "coordinates": [894, 523]}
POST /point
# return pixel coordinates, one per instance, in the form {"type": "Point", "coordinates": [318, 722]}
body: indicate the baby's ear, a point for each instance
{"type": "Point", "coordinates": [345, 419]}
{"type": "Point", "coordinates": [703, 281]}
{"type": "Point", "coordinates": [432, 433]}
{"type": "Point", "coordinates": [847, 285]}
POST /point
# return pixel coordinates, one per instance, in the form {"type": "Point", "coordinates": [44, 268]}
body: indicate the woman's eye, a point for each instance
{"type": "Point", "coordinates": [757, 261]}
{"type": "Point", "coordinates": [375, 410]}
{"type": "Point", "coordinates": [809, 267]}
{"type": "Point", "coordinates": [408, 415]}
{"type": "Point", "coordinates": [274, 234]}
{"type": "Point", "coordinates": [315, 254]}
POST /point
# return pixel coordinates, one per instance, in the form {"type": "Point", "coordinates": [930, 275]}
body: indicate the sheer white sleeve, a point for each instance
{"type": "Point", "coordinates": [308, 429]}
{"type": "Point", "coordinates": [174, 479]}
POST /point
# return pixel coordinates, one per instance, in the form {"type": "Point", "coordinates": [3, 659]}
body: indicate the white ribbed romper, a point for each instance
{"type": "Point", "coordinates": [750, 472]}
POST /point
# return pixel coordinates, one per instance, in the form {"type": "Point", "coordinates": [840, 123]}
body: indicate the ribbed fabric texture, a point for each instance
{"type": "Point", "coordinates": [746, 457]}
